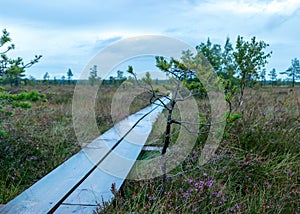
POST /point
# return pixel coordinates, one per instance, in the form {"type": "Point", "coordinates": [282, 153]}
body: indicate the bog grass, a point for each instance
{"type": "Point", "coordinates": [255, 169]}
{"type": "Point", "coordinates": [39, 139]}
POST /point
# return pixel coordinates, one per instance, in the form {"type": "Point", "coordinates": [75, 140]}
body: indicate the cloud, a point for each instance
{"type": "Point", "coordinates": [132, 48]}
{"type": "Point", "coordinates": [268, 7]}
{"type": "Point", "coordinates": [68, 33]}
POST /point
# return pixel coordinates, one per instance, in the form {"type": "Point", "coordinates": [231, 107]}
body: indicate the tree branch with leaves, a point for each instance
{"type": "Point", "coordinates": [184, 86]}
{"type": "Point", "coordinates": [293, 71]}
{"type": "Point", "coordinates": [12, 70]}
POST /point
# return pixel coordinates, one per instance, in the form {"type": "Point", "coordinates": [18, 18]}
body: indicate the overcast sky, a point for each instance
{"type": "Point", "coordinates": [68, 33]}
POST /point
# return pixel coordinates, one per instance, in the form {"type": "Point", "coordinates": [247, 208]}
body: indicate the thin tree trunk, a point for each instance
{"type": "Point", "coordinates": [166, 145]}
{"type": "Point", "coordinates": [242, 94]}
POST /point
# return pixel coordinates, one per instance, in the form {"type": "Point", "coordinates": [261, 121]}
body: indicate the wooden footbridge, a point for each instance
{"type": "Point", "coordinates": [84, 180]}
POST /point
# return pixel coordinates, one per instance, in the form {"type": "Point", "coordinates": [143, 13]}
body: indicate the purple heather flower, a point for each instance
{"type": "Point", "coordinates": [209, 183]}
{"type": "Point", "coordinates": [186, 194]}
{"type": "Point", "coordinates": [217, 194]}
{"type": "Point", "coordinates": [191, 181]}
{"type": "Point", "coordinates": [231, 209]}
{"type": "Point", "coordinates": [199, 185]}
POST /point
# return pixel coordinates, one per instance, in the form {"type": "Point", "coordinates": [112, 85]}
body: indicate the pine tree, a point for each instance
{"type": "Point", "coordinates": [263, 76]}
{"type": "Point", "coordinates": [293, 71]}
{"type": "Point", "coordinates": [69, 75]}
{"type": "Point", "coordinates": [93, 75]}
{"type": "Point", "coordinates": [273, 76]}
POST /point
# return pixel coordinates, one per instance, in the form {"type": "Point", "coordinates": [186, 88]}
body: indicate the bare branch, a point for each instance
{"type": "Point", "coordinates": [8, 49]}
{"type": "Point", "coordinates": [202, 124]}
{"type": "Point", "coordinates": [162, 103]}
{"type": "Point", "coordinates": [189, 96]}
{"type": "Point", "coordinates": [192, 132]}
{"type": "Point", "coordinates": [28, 65]}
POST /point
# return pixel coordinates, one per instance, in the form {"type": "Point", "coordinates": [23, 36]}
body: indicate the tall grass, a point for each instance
{"type": "Point", "coordinates": [255, 169]}
{"type": "Point", "coordinates": [39, 139]}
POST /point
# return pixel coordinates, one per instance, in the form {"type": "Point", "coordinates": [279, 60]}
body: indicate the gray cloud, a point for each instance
{"type": "Point", "coordinates": [64, 30]}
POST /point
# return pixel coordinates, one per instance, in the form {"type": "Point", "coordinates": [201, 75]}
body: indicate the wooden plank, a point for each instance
{"type": "Point", "coordinates": [45, 193]}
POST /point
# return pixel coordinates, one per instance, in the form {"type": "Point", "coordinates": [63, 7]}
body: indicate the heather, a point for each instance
{"type": "Point", "coordinates": [255, 169]}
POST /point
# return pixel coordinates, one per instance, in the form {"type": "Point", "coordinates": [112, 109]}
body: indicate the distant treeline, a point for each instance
{"type": "Point", "coordinates": [117, 82]}
{"type": "Point", "coordinates": [110, 81]}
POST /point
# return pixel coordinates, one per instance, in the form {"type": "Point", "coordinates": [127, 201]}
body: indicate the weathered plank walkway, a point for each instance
{"type": "Point", "coordinates": [84, 180]}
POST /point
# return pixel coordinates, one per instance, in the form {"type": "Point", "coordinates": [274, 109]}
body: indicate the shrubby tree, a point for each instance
{"type": "Point", "coordinates": [69, 75]}
{"type": "Point", "coordinates": [185, 85]}
{"type": "Point", "coordinates": [243, 62]}
{"type": "Point", "coordinates": [63, 79]}
{"type": "Point", "coordinates": [262, 76]}
{"type": "Point", "coordinates": [112, 80]}
{"type": "Point", "coordinates": [93, 78]}
{"type": "Point", "coordinates": [273, 76]}
{"type": "Point", "coordinates": [46, 77]}
{"type": "Point", "coordinates": [249, 57]}
{"type": "Point", "coordinates": [54, 80]}
{"type": "Point", "coordinates": [120, 75]}
{"type": "Point", "coordinates": [224, 65]}
{"type": "Point", "coordinates": [222, 60]}
{"type": "Point", "coordinates": [228, 64]}
{"type": "Point", "coordinates": [213, 53]}
{"type": "Point", "coordinates": [293, 71]}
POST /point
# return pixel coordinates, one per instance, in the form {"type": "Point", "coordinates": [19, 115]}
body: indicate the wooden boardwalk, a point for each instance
{"type": "Point", "coordinates": [77, 185]}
